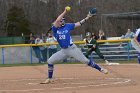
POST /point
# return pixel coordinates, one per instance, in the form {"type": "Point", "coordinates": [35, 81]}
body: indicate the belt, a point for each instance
{"type": "Point", "coordinates": [68, 46]}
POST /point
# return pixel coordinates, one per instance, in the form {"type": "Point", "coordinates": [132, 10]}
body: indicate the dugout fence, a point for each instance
{"type": "Point", "coordinates": [24, 53]}
{"type": "Point", "coordinates": [12, 40]}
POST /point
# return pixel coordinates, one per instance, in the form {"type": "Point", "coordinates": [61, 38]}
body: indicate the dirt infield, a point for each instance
{"type": "Point", "coordinates": [71, 78]}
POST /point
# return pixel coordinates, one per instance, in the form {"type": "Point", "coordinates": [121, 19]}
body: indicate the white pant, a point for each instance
{"type": "Point", "coordinates": [71, 51]}
{"type": "Point", "coordinates": [135, 45]}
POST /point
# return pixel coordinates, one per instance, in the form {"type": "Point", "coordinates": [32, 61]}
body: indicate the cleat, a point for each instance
{"type": "Point", "coordinates": [105, 71]}
{"type": "Point", "coordinates": [107, 62]}
{"type": "Point", "coordinates": [47, 81]}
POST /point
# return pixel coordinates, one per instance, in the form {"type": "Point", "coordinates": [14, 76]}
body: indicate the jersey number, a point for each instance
{"type": "Point", "coordinates": [62, 37]}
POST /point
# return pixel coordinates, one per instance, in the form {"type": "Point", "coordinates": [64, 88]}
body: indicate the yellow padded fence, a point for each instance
{"type": "Point", "coordinates": [76, 42]}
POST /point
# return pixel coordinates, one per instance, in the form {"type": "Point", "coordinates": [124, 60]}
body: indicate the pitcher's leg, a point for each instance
{"type": "Point", "coordinates": [77, 54]}
{"type": "Point", "coordinates": [53, 59]}
{"type": "Point", "coordinates": [92, 64]}
{"type": "Point", "coordinates": [56, 57]}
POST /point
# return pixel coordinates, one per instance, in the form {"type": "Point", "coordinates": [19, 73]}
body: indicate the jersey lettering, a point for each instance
{"type": "Point", "coordinates": [62, 37]}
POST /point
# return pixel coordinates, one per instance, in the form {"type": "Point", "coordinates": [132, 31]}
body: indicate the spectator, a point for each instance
{"type": "Point", "coordinates": [32, 40]}
{"type": "Point", "coordinates": [35, 48]}
{"type": "Point", "coordinates": [52, 48]}
{"type": "Point", "coordinates": [101, 36]}
{"type": "Point", "coordinates": [43, 49]}
{"type": "Point", "coordinates": [94, 36]}
{"type": "Point", "coordinates": [129, 34]}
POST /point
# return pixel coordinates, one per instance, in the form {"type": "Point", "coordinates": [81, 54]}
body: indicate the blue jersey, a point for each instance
{"type": "Point", "coordinates": [62, 34]}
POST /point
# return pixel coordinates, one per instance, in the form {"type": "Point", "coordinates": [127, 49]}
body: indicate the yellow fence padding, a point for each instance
{"type": "Point", "coordinates": [76, 42]}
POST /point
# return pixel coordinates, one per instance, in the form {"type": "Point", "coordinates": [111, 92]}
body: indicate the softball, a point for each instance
{"type": "Point", "coordinates": [68, 8]}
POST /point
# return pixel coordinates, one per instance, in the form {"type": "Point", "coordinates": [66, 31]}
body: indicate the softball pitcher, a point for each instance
{"type": "Point", "coordinates": [61, 31]}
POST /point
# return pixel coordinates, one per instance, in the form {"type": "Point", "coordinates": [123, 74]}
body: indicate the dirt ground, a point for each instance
{"type": "Point", "coordinates": [71, 78]}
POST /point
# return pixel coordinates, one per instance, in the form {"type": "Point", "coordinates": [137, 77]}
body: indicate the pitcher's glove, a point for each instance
{"type": "Point", "coordinates": [92, 12]}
